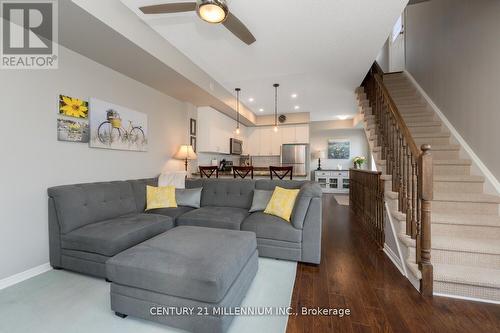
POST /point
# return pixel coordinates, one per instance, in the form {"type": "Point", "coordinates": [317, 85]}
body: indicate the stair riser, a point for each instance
{"type": "Point", "coordinates": [432, 141]}
{"type": "Point", "coordinates": [413, 110]}
{"type": "Point", "coordinates": [451, 230]}
{"type": "Point", "coordinates": [451, 257]}
{"type": "Point", "coordinates": [456, 170]}
{"type": "Point", "coordinates": [419, 118]}
{"type": "Point", "coordinates": [467, 290]}
{"type": "Point", "coordinates": [451, 207]}
{"type": "Point", "coordinates": [458, 187]}
{"type": "Point", "coordinates": [407, 99]}
{"type": "Point", "coordinates": [404, 106]}
{"type": "Point", "coordinates": [426, 129]}
{"type": "Point", "coordinates": [445, 154]}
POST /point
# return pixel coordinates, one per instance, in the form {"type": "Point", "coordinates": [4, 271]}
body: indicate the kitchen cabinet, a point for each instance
{"type": "Point", "coordinates": [288, 134]}
{"type": "Point", "coordinates": [302, 134]}
{"type": "Point", "coordinates": [332, 181]}
{"type": "Point", "coordinates": [295, 134]}
{"type": "Point", "coordinates": [252, 141]}
{"type": "Point", "coordinates": [266, 137]}
{"type": "Point", "coordinates": [215, 131]}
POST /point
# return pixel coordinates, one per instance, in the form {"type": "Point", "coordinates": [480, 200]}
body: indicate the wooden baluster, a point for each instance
{"type": "Point", "coordinates": [409, 192]}
{"type": "Point", "coordinates": [426, 196]}
{"type": "Point", "coordinates": [401, 169]}
{"type": "Point", "coordinates": [414, 216]}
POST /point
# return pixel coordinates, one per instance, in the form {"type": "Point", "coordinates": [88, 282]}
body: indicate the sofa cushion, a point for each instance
{"type": "Point", "coordinates": [112, 236]}
{"type": "Point", "coordinates": [79, 205]}
{"type": "Point", "coordinates": [214, 217]}
{"type": "Point", "coordinates": [174, 213]}
{"type": "Point", "coordinates": [271, 227]}
{"type": "Point", "coordinates": [236, 193]}
{"type": "Point", "coordinates": [139, 189]}
{"type": "Point", "coordinates": [187, 262]}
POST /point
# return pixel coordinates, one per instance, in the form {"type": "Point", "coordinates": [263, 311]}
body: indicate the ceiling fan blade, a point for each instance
{"type": "Point", "coordinates": [233, 24]}
{"type": "Point", "coordinates": [168, 8]}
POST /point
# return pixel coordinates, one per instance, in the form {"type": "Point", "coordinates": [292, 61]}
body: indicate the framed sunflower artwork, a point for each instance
{"type": "Point", "coordinates": [73, 107]}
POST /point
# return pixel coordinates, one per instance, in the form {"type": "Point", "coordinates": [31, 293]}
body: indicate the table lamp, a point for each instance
{"type": "Point", "coordinates": [319, 154]}
{"type": "Point", "coordinates": [186, 153]}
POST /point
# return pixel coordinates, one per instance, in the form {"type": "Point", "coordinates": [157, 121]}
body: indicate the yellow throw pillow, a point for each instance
{"type": "Point", "coordinates": [160, 197]}
{"type": "Point", "coordinates": [281, 203]}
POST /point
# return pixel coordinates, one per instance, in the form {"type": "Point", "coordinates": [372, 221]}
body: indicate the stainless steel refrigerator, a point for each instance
{"type": "Point", "coordinates": [296, 155]}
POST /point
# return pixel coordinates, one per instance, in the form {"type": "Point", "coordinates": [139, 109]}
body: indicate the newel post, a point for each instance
{"type": "Point", "coordinates": [426, 195]}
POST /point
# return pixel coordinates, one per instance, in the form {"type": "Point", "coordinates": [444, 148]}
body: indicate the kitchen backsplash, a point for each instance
{"type": "Point", "coordinates": [265, 161]}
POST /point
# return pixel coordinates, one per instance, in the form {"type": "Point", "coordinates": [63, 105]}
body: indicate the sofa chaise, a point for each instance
{"type": "Point", "coordinates": [91, 223]}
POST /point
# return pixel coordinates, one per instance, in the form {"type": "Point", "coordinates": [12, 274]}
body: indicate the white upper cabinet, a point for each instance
{"type": "Point", "coordinates": [295, 134]}
{"type": "Point", "coordinates": [215, 131]}
{"type": "Point", "coordinates": [302, 133]}
{"type": "Point", "coordinates": [276, 142]}
{"type": "Point", "coordinates": [266, 141]}
{"type": "Point", "coordinates": [252, 141]}
{"type": "Point", "coordinates": [288, 134]}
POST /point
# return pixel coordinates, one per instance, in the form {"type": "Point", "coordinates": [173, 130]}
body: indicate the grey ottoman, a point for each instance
{"type": "Point", "coordinates": [185, 277]}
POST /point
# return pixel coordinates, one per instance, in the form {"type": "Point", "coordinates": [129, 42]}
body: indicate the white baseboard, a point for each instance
{"type": "Point", "coordinates": [14, 279]}
{"type": "Point", "coordinates": [467, 298]}
{"type": "Point", "coordinates": [492, 182]}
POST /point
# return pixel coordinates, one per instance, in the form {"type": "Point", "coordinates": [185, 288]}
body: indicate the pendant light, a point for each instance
{"type": "Point", "coordinates": [276, 85]}
{"type": "Point", "coordinates": [237, 110]}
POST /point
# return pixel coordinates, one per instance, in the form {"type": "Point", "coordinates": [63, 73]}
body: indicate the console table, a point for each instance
{"type": "Point", "coordinates": [333, 181]}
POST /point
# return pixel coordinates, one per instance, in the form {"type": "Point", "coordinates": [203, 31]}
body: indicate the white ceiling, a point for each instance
{"type": "Point", "coordinates": [318, 49]}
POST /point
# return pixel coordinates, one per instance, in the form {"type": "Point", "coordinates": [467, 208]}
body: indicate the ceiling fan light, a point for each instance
{"type": "Point", "coordinates": [213, 11]}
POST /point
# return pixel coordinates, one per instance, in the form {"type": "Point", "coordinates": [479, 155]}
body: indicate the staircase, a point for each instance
{"type": "Point", "coordinates": [465, 221]}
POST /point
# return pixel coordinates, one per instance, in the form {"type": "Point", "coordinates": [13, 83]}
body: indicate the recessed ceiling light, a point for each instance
{"type": "Point", "coordinates": [251, 99]}
{"type": "Point", "coordinates": [343, 117]}
{"type": "Point", "coordinates": [261, 110]}
{"type": "Point", "coordinates": [296, 107]}
{"type": "Point", "coordinates": [294, 95]}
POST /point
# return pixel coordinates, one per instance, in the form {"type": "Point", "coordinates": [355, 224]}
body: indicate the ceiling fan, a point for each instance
{"type": "Point", "coordinates": [211, 11]}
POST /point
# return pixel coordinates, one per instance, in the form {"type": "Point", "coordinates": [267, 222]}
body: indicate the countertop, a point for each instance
{"type": "Point", "coordinates": [257, 172]}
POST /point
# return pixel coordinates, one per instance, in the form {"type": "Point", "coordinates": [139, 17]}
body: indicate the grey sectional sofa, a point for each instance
{"type": "Point", "coordinates": [90, 223]}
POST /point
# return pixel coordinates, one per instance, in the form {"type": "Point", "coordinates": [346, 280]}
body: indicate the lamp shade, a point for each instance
{"type": "Point", "coordinates": [185, 152]}
{"type": "Point", "coordinates": [319, 154]}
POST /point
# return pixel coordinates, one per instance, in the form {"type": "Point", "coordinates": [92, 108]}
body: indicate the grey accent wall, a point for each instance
{"type": "Point", "coordinates": [453, 51]}
{"type": "Point", "coordinates": [32, 159]}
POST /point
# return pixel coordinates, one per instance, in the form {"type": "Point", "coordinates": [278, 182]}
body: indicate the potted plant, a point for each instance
{"type": "Point", "coordinates": [359, 161]}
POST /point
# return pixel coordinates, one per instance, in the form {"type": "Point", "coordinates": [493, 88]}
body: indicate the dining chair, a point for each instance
{"type": "Point", "coordinates": [208, 171]}
{"type": "Point", "coordinates": [242, 171]}
{"type": "Point", "coordinates": [281, 172]}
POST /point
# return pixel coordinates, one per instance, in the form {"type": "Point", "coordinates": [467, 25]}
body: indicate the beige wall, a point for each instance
{"type": "Point", "coordinates": [453, 51]}
{"type": "Point", "coordinates": [32, 159]}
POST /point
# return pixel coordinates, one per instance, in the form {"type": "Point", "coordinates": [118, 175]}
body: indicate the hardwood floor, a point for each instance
{"type": "Point", "coordinates": [354, 274]}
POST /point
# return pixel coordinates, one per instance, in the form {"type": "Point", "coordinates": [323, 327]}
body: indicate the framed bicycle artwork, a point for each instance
{"type": "Point", "coordinates": [117, 127]}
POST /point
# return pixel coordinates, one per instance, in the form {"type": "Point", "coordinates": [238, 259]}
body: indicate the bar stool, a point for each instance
{"type": "Point", "coordinates": [281, 172]}
{"type": "Point", "coordinates": [243, 171]}
{"type": "Point", "coordinates": [208, 171]}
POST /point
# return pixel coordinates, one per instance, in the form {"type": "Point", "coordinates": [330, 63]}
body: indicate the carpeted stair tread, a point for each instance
{"type": "Point", "coordinates": [458, 244]}
{"type": "Point", "coordinates": [472, 220]}
{"type": "Point", "coordinates": [470, 275]}
{"type": "Point", "coordinates": [467, 197]}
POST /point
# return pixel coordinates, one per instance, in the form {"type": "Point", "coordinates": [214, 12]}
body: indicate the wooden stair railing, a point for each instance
{"type": "Point", "coordinates": [410, 168]}
{"type": "Point", "coordinates": [366, 198]}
